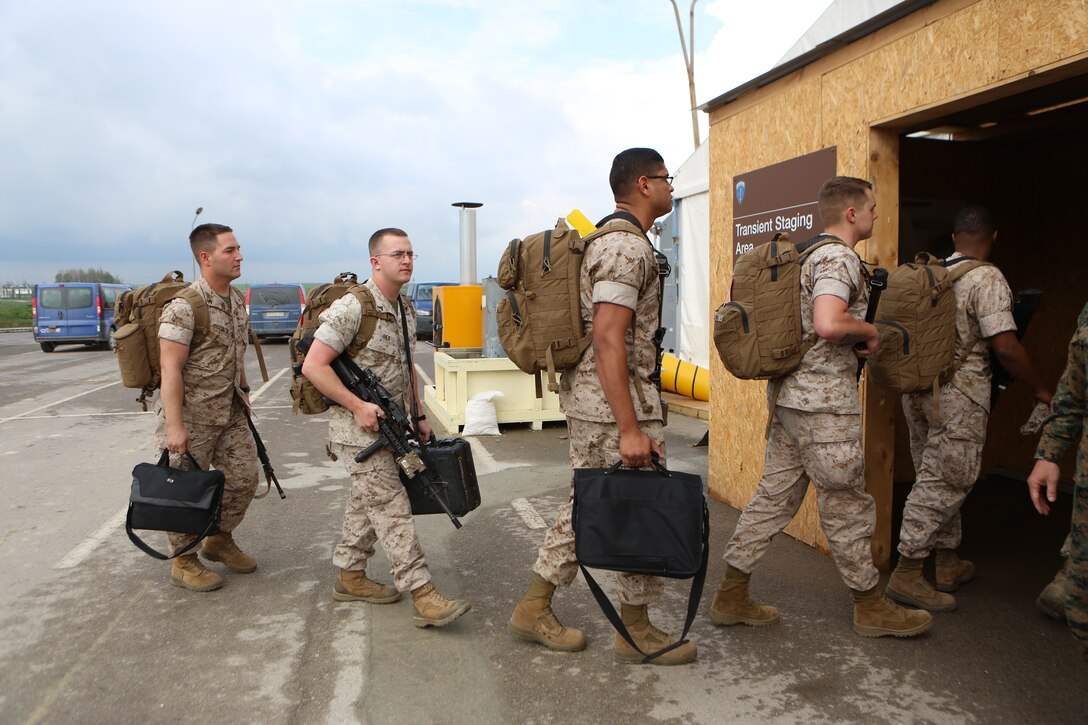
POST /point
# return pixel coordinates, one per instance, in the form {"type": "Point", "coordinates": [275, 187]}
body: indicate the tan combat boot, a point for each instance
{"type": "Point", "coordinates": [189, 573]}
{"type": "Point", "coordinates": [952, 571]}
{"type": "Point", "coordinates": [909, 586]}
{"type": "Point", "coordinates": [1052, 599]}
{"type": "Point", "coordinates": [434, 610]}
{"type": "Point", "coordinates": [222, 548]}
{"type": "Point", "coordinates": [875, 616]}
{"type": "Point", "coordinates": [732, 605]}
{"type": "Point", "coordinates": [353, 586]}
{"type": "Point", "coordinates": [649, 639]}
{"type": "Point", "coordinates": [534, 620]}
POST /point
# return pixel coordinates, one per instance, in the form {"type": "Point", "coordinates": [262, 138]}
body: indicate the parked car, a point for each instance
{"type": "Point", "coordinates": [274, 309]}
{"type": "Point", "coordinates": [74, 313]}
{"type": "Point", "coordinates": [421, 295]}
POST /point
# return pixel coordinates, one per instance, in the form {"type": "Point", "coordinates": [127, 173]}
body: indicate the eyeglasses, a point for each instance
{"type": "Point", "coordinates": [668, 179]}
{"type": "Point", "coordinates": [399, 255]}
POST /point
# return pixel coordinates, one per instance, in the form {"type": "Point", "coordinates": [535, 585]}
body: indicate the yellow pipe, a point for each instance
{"type": "Point", "coordinates": [684, 378]}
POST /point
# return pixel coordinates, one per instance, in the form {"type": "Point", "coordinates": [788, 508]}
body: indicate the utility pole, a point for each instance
{"type": "Point", "coordinates": [689, 61]}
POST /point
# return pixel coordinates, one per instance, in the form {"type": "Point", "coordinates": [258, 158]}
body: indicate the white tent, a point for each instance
{"type": "Point", "coordinates": [691, 191]}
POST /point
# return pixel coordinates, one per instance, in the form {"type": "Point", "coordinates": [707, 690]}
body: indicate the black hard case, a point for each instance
{"type": "Point", "coordinates": [452, 460]}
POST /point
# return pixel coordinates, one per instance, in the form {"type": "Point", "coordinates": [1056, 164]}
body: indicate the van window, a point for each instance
{"type": "Point", "coordinates": [79, 298]}
{"type": "Point", "coordinates": [109, 296]}
{"type": "Point", "coordinates": [423, 291]}
{"type": "Point", "coordinates": [273, 296]}
{"type": "Point", "coordinates": [51, 298]}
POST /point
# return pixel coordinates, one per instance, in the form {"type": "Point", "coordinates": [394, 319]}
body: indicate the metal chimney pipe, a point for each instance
{"type": "Point", "coordinates": [468, 240]}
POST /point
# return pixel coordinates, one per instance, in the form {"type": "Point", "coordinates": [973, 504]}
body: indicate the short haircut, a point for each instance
{"type": "Point", "coordinates": [376, 237]}
{"type": "Point", "coordinates": [203, 238]}
{"type": "Point", "coordinates": [629, 165]}
{"type": "Point", "coordinates": [974, 220]}
{"type": "Point", "coordinates": [840, 193]}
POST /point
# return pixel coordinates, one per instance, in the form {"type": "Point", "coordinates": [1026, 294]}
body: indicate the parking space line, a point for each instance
{"type": "Point", "coordinates": [83, 415]}
{"type": "Point", "coordinates": [265, 387]}
{"type": "Point", "coordinates": [421, 374]}
{"type": "Point", "coordinates": [65, 400]}
{"type": "Point", "coordinates": [528, 514]}
{"type": "Point", "coordinates": [85, 548]}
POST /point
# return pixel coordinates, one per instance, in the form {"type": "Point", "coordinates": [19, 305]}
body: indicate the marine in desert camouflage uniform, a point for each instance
{"type": "Point", "coordinates": [203, 400]}
{"type": "Point", "coordinates": [377, 508]}
{"type": "Point", "coordinates": [1060, 432]}
{"type": "Point", "coordinates": [946, 439]}
{"type": "Point", "coordinates": [815, 432]}
{"type": "Point", "coordinates": [611, 414]}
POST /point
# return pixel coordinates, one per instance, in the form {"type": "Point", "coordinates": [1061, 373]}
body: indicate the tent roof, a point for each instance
{"type": "Point", "coordinates": [841, 24]}
{"type": "Point", "coordinates": [693, 176]}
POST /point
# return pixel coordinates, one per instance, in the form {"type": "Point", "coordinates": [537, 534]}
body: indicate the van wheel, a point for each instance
{"type": "Point", "coordinates": [48, 347]}
{"type": "Point", "coordinates": [109, 344]}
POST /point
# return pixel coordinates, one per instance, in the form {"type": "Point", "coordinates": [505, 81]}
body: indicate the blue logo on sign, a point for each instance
{"type": "Point", "coordinates": [740, 192]}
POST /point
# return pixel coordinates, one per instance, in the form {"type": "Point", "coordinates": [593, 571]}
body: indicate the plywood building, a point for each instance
{"type": "Point", "coordinates": [940, 104]}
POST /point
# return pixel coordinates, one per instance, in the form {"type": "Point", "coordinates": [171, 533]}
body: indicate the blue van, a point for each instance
{"type": "Point", "coordinates": [274, 309]}
{"type": "Point", "coordinates": [421, 294]}
{"type": "Point", "coordinates": [74, 313]}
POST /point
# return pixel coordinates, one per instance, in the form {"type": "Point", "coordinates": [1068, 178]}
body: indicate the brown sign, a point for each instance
{"type": "Point", "coordinates": [780, 198]}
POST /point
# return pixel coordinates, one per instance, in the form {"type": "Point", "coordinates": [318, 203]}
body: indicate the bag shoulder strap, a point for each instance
{"type": "Point", "coordinates": [962, 265]}
{"type": "Point", "coordinates": [369, 320]}
{"type": "Point", "coordinates": [694, 596]}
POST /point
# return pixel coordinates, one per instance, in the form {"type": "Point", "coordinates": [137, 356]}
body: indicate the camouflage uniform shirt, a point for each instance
{"type": "Point", "coordinates": [983, 309]}
{"type": "Point", "coordinates": [825, 381]}
{"type": "Point", "coordinates": [618, 268]}
{"type": "Point", "coordinates": [1065, 425]}
{"type": "Point", "coordinates": [213, 371]}
{"type": "Point", "coordinates": [384, 355]}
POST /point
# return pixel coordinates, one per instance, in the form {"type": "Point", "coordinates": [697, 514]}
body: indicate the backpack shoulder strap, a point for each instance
{"type": "Point", "coordinates": [619, 221]}
{"type": "Point", "coordinates": [962, 265]}
{"type": "Point", "coordinates": [369, 320]}
{"type": "Point", "coordinates": [807, 247]}
{"type": "Point", "coordinates": [201, 316]}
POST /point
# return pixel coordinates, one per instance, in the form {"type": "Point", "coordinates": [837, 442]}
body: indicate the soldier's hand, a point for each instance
{"type": "Point", "coordinates": [367, 415]}
{"type": "Point", "coordinates": [425, 431]}
{"type": "Point", "coordinates": [177, 439]}
{"type": "Point", "coordinates": [1044, 477]}
{"type": "Point", "coordinates": [635, 449]}
{"type": "Point", "coordinates": [868, 345]}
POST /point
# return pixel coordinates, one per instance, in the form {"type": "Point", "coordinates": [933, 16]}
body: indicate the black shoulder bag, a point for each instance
{"type": "Point", "coordinates": [637, 521]}
{"type": "Point", "coordinates": [169, 499]}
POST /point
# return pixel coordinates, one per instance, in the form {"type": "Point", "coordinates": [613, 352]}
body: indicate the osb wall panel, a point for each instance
{"type": "Point", "coordinates": [946, 51]}
{"type": "Point", "coordinates": [788, 121]}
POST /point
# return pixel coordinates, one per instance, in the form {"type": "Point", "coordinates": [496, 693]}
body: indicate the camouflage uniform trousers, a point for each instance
{"type": "Point", "coordinates": [378, 510]}
{"type": "Point", "coordinates": [824, 448]}
{"type": "Point", "coordinates": [229, 449]}
{"type": "Point", "coordinates": [947, 456]}
{"type": "Point", "coordinates": [593, 445]}
{"type": "Point", "coordinates": [1076, 603]}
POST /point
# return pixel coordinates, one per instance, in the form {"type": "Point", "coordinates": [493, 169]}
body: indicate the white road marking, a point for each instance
{"type": "Point", "coordinates": [528, 514]}
{"type": "Point", "coordinates": [485, 463]}
{"type": "Point", "coordinates": [81, 415]}
{"type": "Point", "coordinates": [65, 400]}
{"type": "Point", "coordinates": [256, 394]}
{"type": "Point", "coordinates": [426, 379]}
{"type": "Point", "coordinates": [85, 548]}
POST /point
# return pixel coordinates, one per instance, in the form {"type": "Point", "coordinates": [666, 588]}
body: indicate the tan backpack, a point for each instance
{"type": "Point", "coordinates": [136, 340]}
{"type": "Point", "coordinates": [306, 397]}
{"type": "Point", "coordinates": [540, 316]}
{"type": "Point", "coordinates": [917, 323]}
{"type": "Point", "coordinates": [758, 332]}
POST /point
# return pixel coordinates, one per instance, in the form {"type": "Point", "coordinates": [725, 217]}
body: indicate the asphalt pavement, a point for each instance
{"type": "Point", "coordinates": [92, 632]}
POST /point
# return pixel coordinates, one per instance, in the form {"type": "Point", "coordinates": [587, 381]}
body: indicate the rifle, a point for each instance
{"type": "Point", "coordinates": [262, 453]}
{"type": "Point", "coordinates": [877, 284]}
{"type": "Point", "coordinates": [394, 430]}
{"type": "Point", "coordinates": [1025, 303]}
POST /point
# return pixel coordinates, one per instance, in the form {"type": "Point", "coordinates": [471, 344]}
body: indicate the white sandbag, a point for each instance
{"type": "Point", "coordinates": [480, 416]}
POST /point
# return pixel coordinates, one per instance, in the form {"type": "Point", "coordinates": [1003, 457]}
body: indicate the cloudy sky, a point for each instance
{"type": "Point", "coordinates": [307, 125]}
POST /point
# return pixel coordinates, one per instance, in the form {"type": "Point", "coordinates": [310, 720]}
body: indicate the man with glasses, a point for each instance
{"type": "Point", "coordinates": [619, 286]}
{"type": "Point", "coordinates": [377, 507]}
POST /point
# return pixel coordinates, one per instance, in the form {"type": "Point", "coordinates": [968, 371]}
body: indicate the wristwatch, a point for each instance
{"type": "Point", "coordinates": [419, 418]}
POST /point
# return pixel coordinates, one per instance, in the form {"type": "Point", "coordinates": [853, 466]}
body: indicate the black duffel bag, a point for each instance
{"type": "Point", "coordinates": [451, 460]}
{"type": "Point", "coordinates": [169, 499]}
{"type": "Point", "coordinates": [638, 521]}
